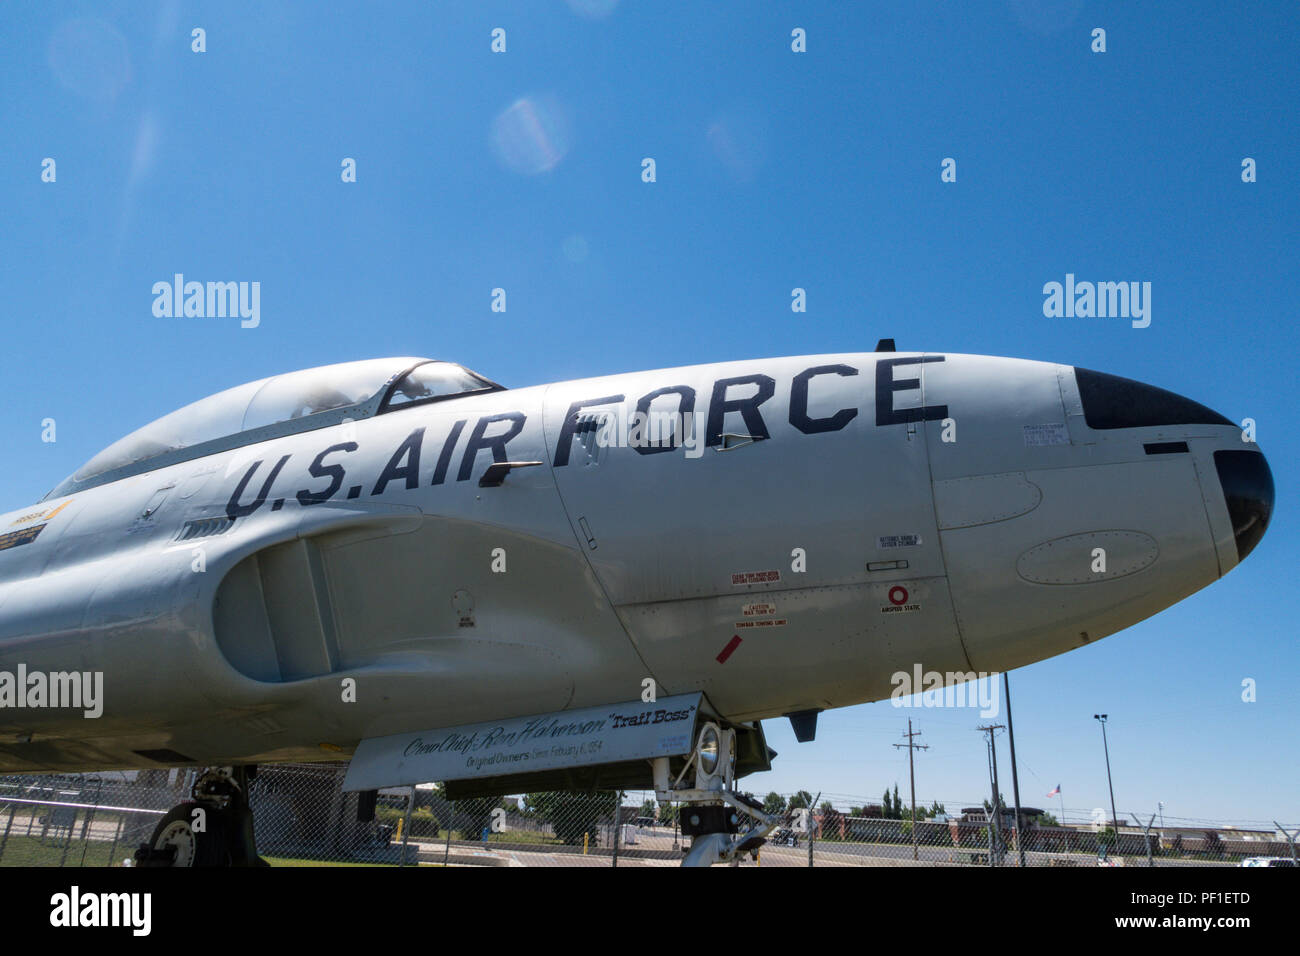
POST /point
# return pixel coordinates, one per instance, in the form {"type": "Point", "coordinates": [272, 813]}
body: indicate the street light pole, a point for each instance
{"type": "Point", "coordinates": [1015, 779]}
{"type": "Point", "coordinates": [1114, 818]}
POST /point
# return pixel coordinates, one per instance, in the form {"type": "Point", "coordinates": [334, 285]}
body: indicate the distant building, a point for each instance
{"type": "Point", "coordinates": [1007, 820]}
{"type": "Point", "coordinates": [1225, 833]}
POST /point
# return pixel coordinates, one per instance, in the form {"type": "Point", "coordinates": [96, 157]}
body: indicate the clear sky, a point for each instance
{"type": "Point", "coordinates": [523, 170]}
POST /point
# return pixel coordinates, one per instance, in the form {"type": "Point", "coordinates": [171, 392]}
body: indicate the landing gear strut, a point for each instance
{"type": "Point", "coordinates": [723, 824]}
{"type": "Point", "coordinates": [215, 828]}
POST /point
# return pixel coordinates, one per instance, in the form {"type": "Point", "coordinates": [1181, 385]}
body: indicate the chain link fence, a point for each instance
{"type": "Point", "coordinates": [64, 820]}
{"type": "Point", "coordinates": [303, 818]}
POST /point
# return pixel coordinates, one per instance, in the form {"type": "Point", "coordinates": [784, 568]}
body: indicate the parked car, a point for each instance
{"type": "Point", "coordinates": [1268, 861]}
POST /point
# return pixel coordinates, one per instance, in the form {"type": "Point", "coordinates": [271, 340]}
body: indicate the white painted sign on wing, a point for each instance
{"type": "Point", "coordinates": [571, 738]}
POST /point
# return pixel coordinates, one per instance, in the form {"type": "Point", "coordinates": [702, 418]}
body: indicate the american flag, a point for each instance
{"type": "Point", "coordinates": [1055, 791]}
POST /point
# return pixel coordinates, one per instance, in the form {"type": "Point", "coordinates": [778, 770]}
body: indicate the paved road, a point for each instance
{"type": "Point", "coordinates": [657, 849]}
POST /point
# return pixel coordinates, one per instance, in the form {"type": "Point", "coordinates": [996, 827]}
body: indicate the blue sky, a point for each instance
{"type": "Point", "coordinates": [819, 170]}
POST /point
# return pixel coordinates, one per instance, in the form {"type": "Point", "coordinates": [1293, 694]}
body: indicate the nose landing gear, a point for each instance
{"type": "Point", "coordinates": [215, 828]}
{"type": "Point", "coordinates": [723, 825]}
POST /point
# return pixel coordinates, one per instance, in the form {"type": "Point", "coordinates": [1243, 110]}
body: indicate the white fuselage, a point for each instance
{"type": "Point", "coordinates": [840, 519]}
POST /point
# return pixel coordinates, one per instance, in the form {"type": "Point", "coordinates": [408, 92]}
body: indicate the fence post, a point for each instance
{"type": "Point", "coordinates": [451, 818]}
{"type": "Point", "coordinates": [1290, 838]}
{"type": "Point", "coordinates": [90, 819]}
{"type": "Point", "coordinates": [618, 824]}
{"type": "Point", "coordinates": [67, 844]}
{"type": "Point", "coordinates": [811, 818]}
{"type": "Point", "coordinates": [13, 808]}
{"type": "Point", "coordinates": [1146, 837]}
{"type": "Point", "coordinates": [406, 825]}
{"type": "Point", "coordinates": [86, 832]}
{"type": "Point", "coordinates": [117, 835]}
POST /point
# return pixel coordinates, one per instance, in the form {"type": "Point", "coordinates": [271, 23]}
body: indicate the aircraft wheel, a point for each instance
{"type": "Point", "coordinates": [207, 847]}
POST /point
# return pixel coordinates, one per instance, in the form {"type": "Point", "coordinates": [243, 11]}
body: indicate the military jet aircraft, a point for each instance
{"type": "Point", "coordinates": [606, 582]}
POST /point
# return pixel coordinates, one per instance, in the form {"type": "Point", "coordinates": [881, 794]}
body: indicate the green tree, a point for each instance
{"type": "Point", "coordinates": [887, 806]}
{"type": "Point", "coordinates": [648, 809]}
{"type": "Point", "coordinates": [936, 808]}
{"type": "Point", "coordinates": [774, 803]}
{"type": "Point", "coordinates": [801, 799]}
{"type": "Point", "coordinates": [1047, 820]}
{"type": "Point", "coordinates": [469, 816]}
{"type": "Point", "coordinates": [832, 822]}
{"type": "Point", "coordinates": [424, 823]}
{"type": "Point", "coordinates": [898, 806]}
{"type": "Point", "coordinates": [573, 814]}
{"type": "Point", "coordinates": [476, 813]}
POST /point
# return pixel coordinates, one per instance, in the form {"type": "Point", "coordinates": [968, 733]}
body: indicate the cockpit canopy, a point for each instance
{"type": "Point", "coordinates": [274, 407]}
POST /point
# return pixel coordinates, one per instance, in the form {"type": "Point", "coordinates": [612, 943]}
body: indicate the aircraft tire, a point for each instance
{"type": "Point", "coordinates": [208, 847]}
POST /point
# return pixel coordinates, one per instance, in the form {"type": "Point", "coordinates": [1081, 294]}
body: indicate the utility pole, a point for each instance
{"type": "Point", "coordinates": [1015, 779]}
{"type": "Point", "coordinates": [911, 772]}
{"type": "Point", "coordinates": [1101, 718]}
{"type": "Point", "coordinates": [995, 835]}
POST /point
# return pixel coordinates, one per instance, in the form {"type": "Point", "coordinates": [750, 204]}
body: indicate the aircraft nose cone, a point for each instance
{"type": "Point", "coordinates": [1248, 492]}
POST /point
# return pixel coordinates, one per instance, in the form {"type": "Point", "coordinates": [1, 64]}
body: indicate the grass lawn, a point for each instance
{"type": "Point", "coordinates": [33, 851]}
{"type": "Point", "coordinates": [291, 861]}
{"type": "Point", "coordinates": [506, 836]}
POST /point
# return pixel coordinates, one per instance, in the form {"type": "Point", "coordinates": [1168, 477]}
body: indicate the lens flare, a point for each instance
{"type": "Point", "coordinates": [89, 57]}
{"type": "Point", "coordinates": [531, 136]}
